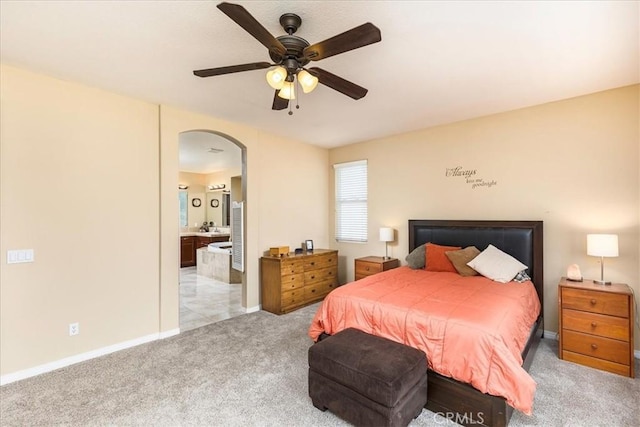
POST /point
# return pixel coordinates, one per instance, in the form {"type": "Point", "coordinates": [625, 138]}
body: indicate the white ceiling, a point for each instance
{"type": "Point", "coordinates": [438, 61]}
{"type": "Point", "coordinates": [196, 155]}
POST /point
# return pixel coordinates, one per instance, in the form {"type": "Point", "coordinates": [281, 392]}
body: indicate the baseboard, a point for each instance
{"type": "Point", "coordinates": [170, 333]}
{"type": "Point", "coordinates": [253, 309]}
{"type": "Point", "coordinates": [554, 336]}
{"type": "Point", "coordinates": [72, 360]}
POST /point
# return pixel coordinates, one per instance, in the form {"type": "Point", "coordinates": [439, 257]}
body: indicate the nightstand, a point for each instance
{"type": "Point", "coordinates": [596, 325]}
{"type": "Point", "coordinates": [374, 264]}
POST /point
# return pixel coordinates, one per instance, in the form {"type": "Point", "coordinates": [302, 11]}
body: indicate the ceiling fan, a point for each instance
{"type": "Point", "coordinates": [291, 53]}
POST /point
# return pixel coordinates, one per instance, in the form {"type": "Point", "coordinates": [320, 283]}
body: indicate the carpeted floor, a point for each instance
{"type": "Point", "coordinates": [252, 371]}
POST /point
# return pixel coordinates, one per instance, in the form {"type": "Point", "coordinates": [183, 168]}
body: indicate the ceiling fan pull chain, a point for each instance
{"type": "Point", "coordinates": [299, 92]}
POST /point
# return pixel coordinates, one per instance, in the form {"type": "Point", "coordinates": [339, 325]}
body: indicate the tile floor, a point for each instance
{"type": "Point", "coordinates": [204, 300]}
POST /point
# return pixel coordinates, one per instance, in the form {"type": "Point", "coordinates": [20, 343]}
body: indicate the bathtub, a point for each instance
{"type": "Point", "coordinates": [220, 247]}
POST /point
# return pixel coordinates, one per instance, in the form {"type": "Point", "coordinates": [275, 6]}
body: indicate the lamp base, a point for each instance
{"type": "Point", "coordinates": [602, 282]}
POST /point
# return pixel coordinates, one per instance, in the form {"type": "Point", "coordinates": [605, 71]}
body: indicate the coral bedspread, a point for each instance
{"type": "Point", "coordinates": [471, 328]}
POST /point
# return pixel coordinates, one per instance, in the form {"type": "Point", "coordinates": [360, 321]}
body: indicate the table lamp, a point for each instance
{"type": "Point", "coordinates": [602, 245]}
{"type": "Point", "coordinates": [386, 236]}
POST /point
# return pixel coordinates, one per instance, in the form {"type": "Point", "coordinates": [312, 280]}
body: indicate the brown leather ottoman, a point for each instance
{"type": "Point", "coordinates": [367, 380]}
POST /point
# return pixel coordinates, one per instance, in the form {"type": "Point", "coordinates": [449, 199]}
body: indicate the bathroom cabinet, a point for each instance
{"type": "Point", "coordinates": [192, 242]}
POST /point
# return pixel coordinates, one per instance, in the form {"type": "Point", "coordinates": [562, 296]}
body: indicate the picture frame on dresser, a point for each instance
{"type": "Point", "coordinates": [308, 245]}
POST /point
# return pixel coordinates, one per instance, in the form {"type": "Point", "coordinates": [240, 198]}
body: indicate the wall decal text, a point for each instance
{"type": "Point", "coordinates": [470, 177]}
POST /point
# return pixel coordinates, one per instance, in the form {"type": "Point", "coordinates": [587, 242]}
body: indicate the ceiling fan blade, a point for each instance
{"type": "Point", "coordinates": [354, 38]}
{"type": "Point", "coordinates": [279, 103]}
{"type": "Point", "coordinates": [243, 18]}
{"type": "Point", "coordinates": [231, 69]}
{"type": "Point", "coordinates": [352, 90]}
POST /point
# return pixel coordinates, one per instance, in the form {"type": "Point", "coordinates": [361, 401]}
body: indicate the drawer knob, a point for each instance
{"type": "Point", "coordinates": [593, 301]}
{"type": "Point", "coordinates": [367, 268]}
{"type": "Point", "coordinates": [594, 346]}
{"type": "Point", "coordinates": [313, 277]}
{"type": "Point", "coordinates": [313, 290]}
{"type": "Point", "coordinates": [594, 324]}
{"type": "Point", "coordinates": [293, 278]}
{"type": "Point", "coordinates": [313, 263]}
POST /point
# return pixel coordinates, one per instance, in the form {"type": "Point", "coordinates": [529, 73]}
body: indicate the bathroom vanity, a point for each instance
{"type": "Point", "coordinates": [190, 242]}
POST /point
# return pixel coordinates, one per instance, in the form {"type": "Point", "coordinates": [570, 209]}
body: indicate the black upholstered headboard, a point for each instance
{"type": "Point", "coordinates": [520, 239]}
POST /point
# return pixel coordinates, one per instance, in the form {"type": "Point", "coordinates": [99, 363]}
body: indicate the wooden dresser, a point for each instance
{"type": "Point", "coordinates": [290, 282]}
{"type": "Point", "coordinates": [373, 264]}
{"type": "Point", "coordinates": [596, 325]}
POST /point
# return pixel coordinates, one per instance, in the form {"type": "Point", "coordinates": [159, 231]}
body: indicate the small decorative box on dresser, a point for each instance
{"type": "Point", "coordinates": [596, 325]}
{"type": "Point", "coordinates": [293, 281]}
{"type": "Point", "coordinates": [374, 264]}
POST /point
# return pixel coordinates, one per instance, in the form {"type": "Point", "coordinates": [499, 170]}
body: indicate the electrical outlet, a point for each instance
{"type": "Point", "coordinates": [74, 329]}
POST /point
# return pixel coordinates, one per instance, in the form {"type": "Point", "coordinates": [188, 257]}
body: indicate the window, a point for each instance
{"type": "Point", "coordinates": [182, 198]}
{"type": "Point", "coordinates": [351, 201]}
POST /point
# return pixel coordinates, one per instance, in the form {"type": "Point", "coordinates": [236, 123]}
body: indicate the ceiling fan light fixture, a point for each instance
{"type": "Point", "coordinates": [288, 91]}
{"type": "Point", "coordinates": [307, 80]}
{"type": "Point", "coordinates": [276, 77]}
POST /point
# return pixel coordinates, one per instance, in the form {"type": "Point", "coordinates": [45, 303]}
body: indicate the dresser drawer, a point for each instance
{"type": "Point", "coordinates": [292, 281]}
{"type": "Point", "coordinates": [320, 289]}
{"type": "Point", "coordinates": [595, 302]}
{"type": "Point", "coordinates": [364, 268]}
{"type": "Point", "coordinates": [596, 324]}
{"type": "Point", "coordinates": [616, 368]}
{"type": "Point", "coordinates": [320, 261]}
{"type": "Point", "coordinates": [291, 266]}
{"type": "Point", "coordinates": [594, 346]}
{"type": "Point", "coordinates": [293, 298]}
{"type": "Point", "coordinates": [320, 275]}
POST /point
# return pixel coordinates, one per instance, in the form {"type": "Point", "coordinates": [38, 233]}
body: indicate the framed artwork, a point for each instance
{"type": "Point", "coordinates": [308, 245]}
{"type": "Point", "coordinates": [196, 202]}
{"type": "Point", "coordinates": [215, 203]}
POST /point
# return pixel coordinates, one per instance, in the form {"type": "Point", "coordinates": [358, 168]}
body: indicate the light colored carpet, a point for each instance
{"type": "Point", "coordinates": [252, 371]}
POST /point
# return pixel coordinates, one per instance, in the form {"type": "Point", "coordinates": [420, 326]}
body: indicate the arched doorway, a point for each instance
{"type": "Point", "coordinates": [212, 176]}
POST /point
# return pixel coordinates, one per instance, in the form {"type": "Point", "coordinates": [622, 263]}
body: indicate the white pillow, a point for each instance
{"type": "Point", "coordinates": [496, 265]}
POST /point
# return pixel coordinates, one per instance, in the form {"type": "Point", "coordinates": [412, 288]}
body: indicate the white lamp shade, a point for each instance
{"type": "Point", "coordinates": [307, 81]}
{"type": "Point", "coordinates": [287, 91]}
{"type": "Point", "coordinates": [386, 234]}
{"type": "Point", "coordinates": [602, 245]}
{"type": "Point", "coordinates": [277, 77]}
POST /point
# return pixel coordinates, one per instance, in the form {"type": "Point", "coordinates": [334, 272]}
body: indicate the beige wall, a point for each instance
{"type": "Point", "coordinates": [79, 185]}
{"type": "Point", "coordinates": [573, 164]}
{"type": "Point", "coordinates": [82, 155]}
{"type": "Point", "coordinates": [107, 253]}
{"type": "Point", "coordinates": [281, 208]}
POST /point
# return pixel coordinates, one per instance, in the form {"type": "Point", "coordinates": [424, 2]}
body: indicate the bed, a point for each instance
{"type": "Point", "coordinates": [457, 400]}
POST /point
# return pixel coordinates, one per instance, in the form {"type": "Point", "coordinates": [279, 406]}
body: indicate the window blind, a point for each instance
{"type": "Point", "coordinates": [351, 201]}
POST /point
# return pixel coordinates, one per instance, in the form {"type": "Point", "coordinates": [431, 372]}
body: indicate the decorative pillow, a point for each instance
{"type": "Point", "coordinates": [436, 260]}
{"type": "Point", "coordinates": [521, 277]}
{"type": "Point", "coordinates": [416, 258]}
{"type": "Point", "coordinates": [496, 265]}
{"type": "Point", "coordinates": [460, 258]}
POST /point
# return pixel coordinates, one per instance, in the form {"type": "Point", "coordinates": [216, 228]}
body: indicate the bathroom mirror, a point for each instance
{"type": "Point", "coordinates": [218, 208]}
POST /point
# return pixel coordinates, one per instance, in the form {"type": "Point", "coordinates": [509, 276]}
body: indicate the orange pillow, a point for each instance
{"type": "Point", "coordinates": [437, 260]}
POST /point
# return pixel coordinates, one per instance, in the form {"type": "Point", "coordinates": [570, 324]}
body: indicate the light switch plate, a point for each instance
{"type": "Point", "coordinates": [19, 256]}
